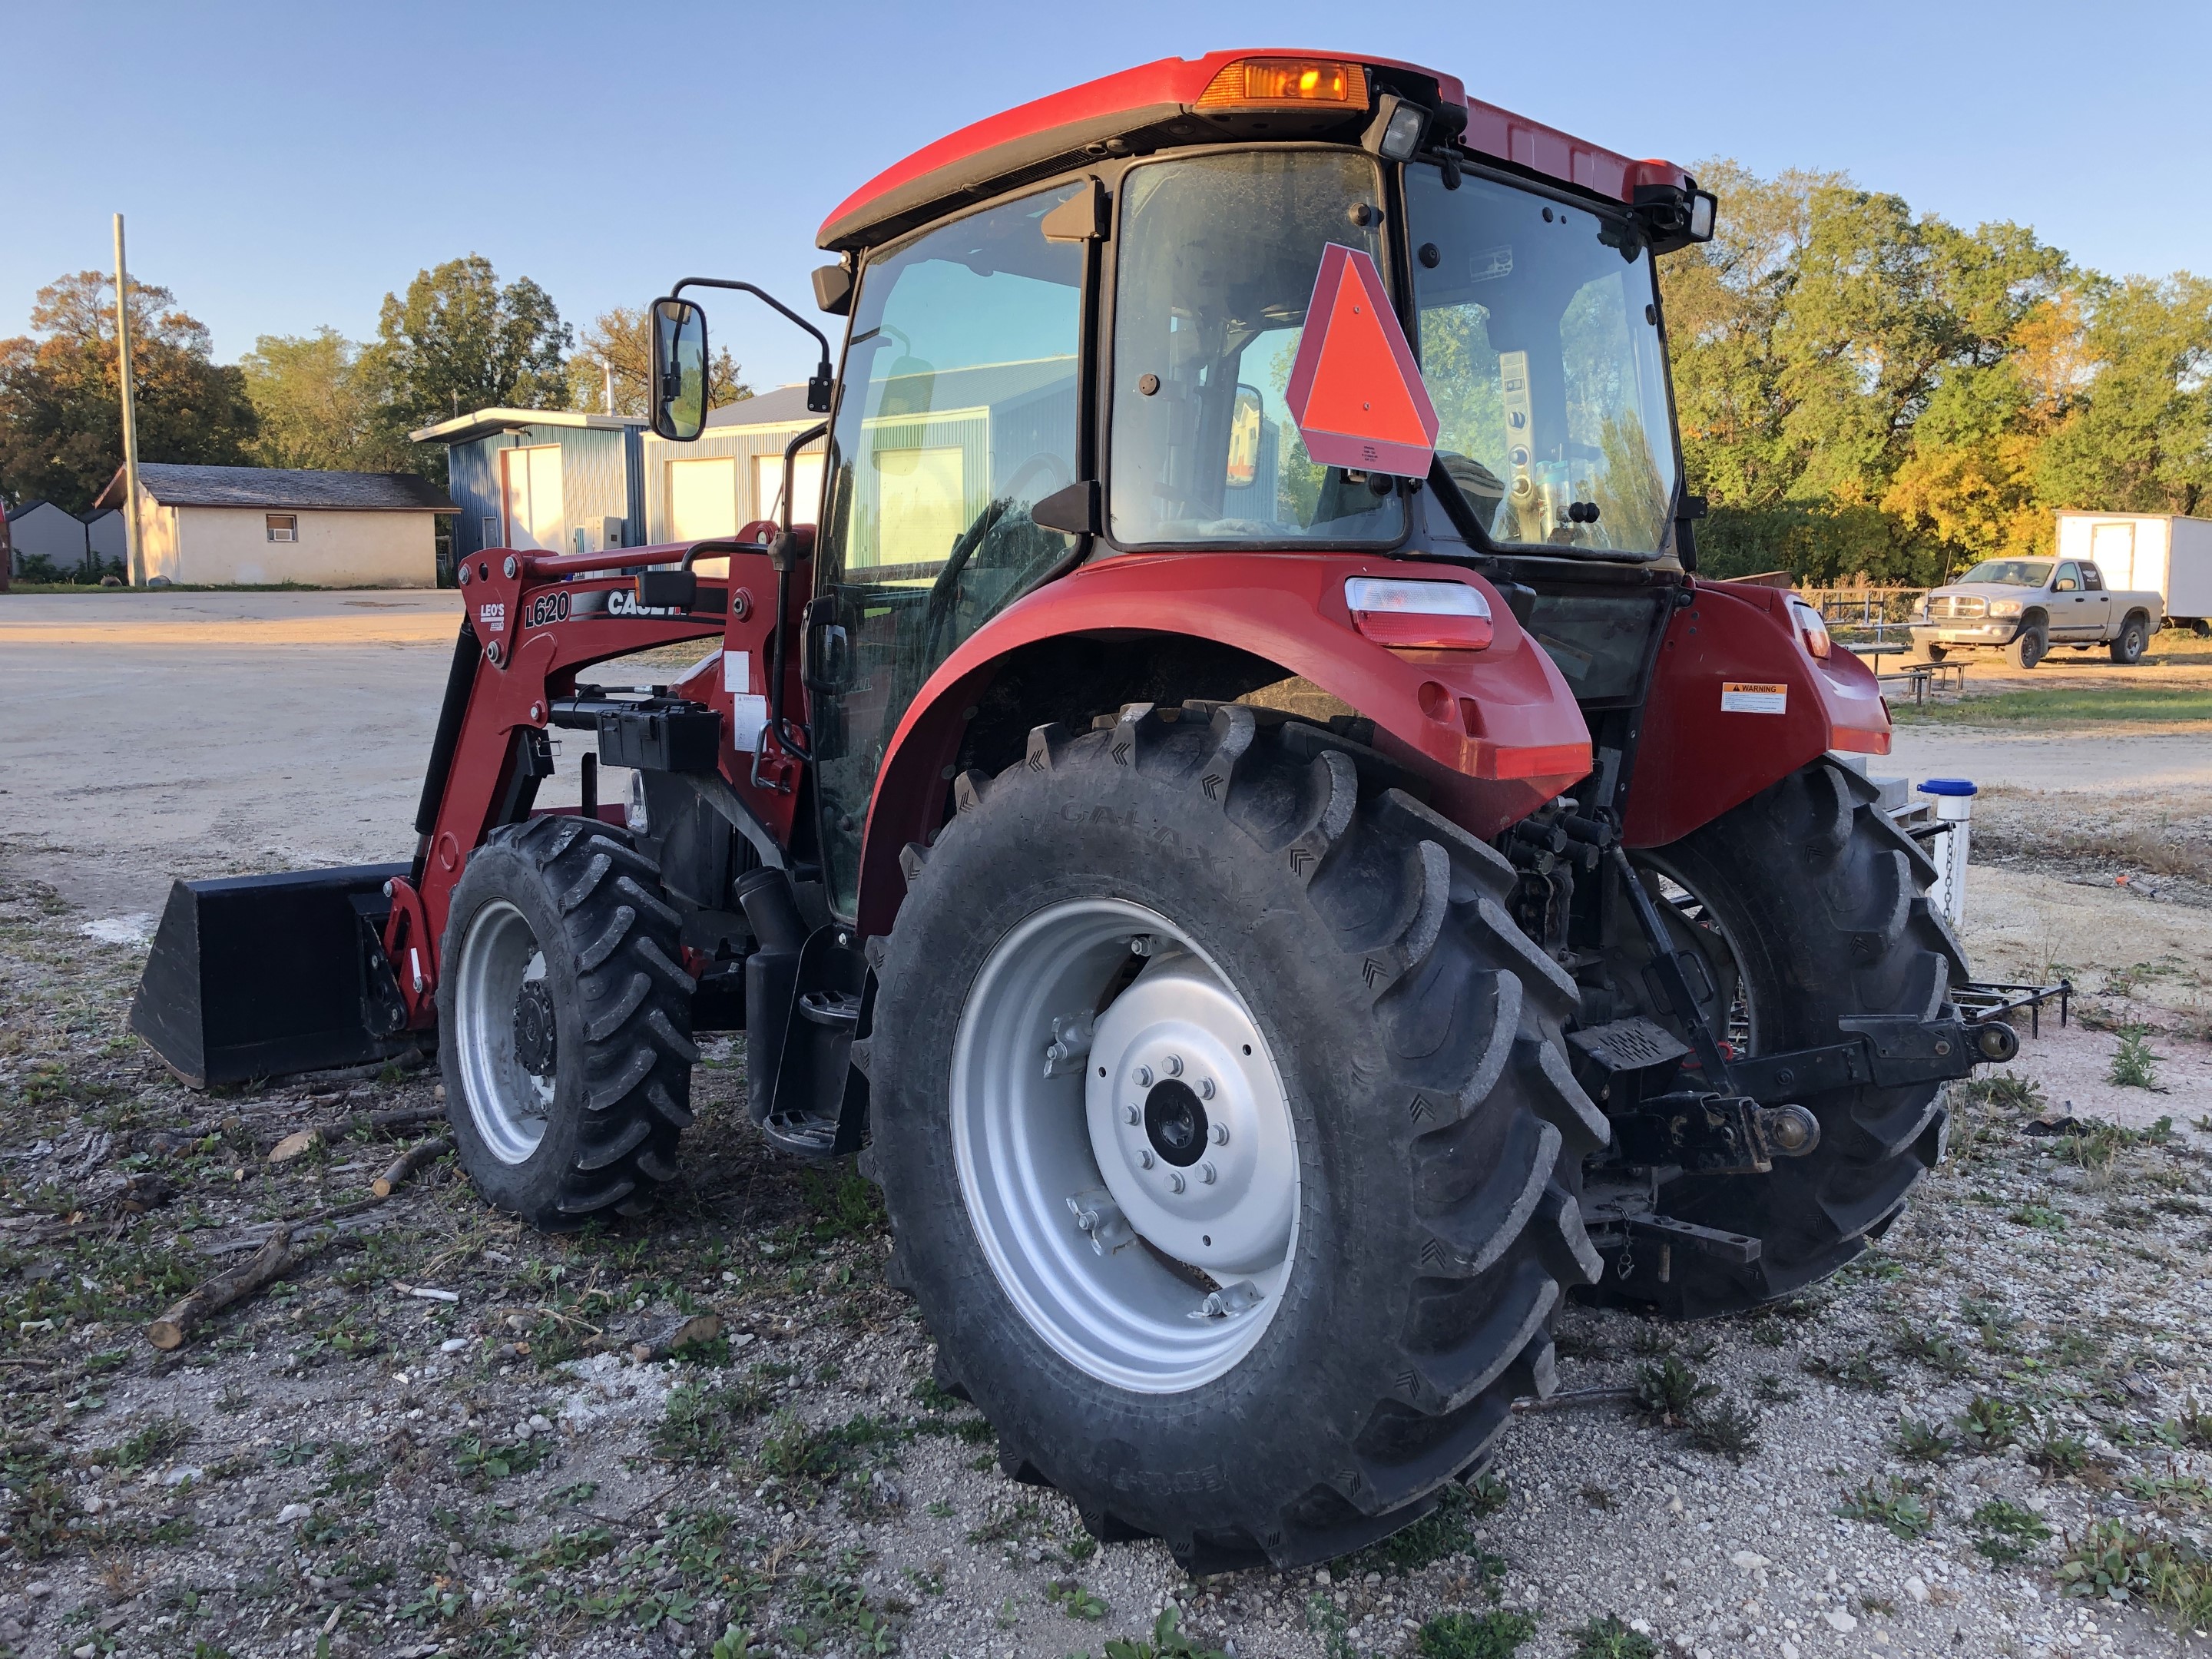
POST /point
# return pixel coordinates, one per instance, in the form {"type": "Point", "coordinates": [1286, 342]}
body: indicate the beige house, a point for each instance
{"type": "Point", "coordinates": [255, 526]}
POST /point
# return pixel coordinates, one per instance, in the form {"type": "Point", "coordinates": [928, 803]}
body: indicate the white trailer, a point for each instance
{"type": "Point", "coordinates": [2165, 552]}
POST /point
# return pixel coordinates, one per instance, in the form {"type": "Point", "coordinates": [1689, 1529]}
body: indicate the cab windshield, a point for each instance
{"type": "Point", "coordinates": [1539, 339]}
{"type": "Point", "coordinates": [2010, 572]}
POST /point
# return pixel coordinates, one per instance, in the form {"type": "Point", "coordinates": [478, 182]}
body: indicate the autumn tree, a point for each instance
{"type": "Point", "coordinates": [61, 401]}
{"type": "Point", "coordinates": [622, 338]}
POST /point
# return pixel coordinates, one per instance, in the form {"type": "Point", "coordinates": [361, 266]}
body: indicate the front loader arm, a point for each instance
{"type": "Point", "coordinates": [533, 621]}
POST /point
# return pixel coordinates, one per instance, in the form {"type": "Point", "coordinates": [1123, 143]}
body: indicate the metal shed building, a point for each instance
{"type": "Point", "coordinates": [557, 479]}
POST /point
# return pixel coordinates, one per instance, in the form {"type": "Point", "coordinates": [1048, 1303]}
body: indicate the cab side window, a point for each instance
{"type": "Point", "coordinates": [2069, 579]}
{"type": "Point", "coordinates": [2093, 579]}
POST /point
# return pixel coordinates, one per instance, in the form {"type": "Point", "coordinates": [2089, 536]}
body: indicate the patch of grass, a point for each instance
{"type": "Point", "coordinates": [821, 1457]}
{"type": "Point", "coordinates": [1609, 1639]}
{"type": "Point", "coordinates": [1725, 1428]}
{"type": "Point", "coordinates": [150, 1444]}
{"type": "Point", "coordinates": [2134, 1065]}
{"type": "Point", "coordinates": [2006, 1089]}
{"type": "Point", "coordinates": [1670, 1392]}
{"type": "Point", "coordinates": [1497, 1634]}
{"type": "Point", "coordinates": [1933, 1350]}
{"type": "Point", "coordinates": [846, 1204]}
{"type": "Point", "coordinates": [1167, 1641]}
{"type": "Point", "coordinates": [1446, 1530]}
{"type": "Point", "coordinates": [1991, 1424]}
{"type": "Point", "coordinates": [1903, 1509]}
{"type": "Point", "coordinates": [2114, 1561]}
{"type": "Point", "coordinates": [1856, 1371]}
{"type": "Point", "coordinates": [699, 1425]}
{"type": "Point", "coordinates": [1775, 1391]}
{"type": "Point", "coordinates": [2039, 1215]}
{"type": "Point", "coordinates": [1924, 1443]}
{"type": "Point", "coordinates": [2065, 704]}
{"type": "Point", "coordinates": [472, 1457]}
{"type": "Point", "coordinates": [1077, 1602]}
{"type": "Point", "coordinates": [2060, 1454]}
{"type": "Point", "coordinates": [2004, 1532]}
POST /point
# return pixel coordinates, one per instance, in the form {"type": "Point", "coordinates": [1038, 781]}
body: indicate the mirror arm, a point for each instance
{"type": "Point", "coordinates": [819, 386]}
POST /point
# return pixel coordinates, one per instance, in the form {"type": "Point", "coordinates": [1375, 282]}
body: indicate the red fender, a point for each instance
{"type": "Point", "coordinates": [1738, 702]}
{"type": "Point", "coordinates": [1497, 731]}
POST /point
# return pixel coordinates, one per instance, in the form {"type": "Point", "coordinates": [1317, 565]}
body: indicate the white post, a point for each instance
{"type": "Point", "coordinates": [137, 547]}
{"type": "Point", "coordinates": [1955, 807]}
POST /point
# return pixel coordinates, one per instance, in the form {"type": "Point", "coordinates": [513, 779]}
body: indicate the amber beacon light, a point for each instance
{"type": "Point", "coordinates": [1276, 83]}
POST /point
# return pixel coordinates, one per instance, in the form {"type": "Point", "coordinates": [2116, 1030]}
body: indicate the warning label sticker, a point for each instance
{"type": "Point", "coordinates": [1739, 697]}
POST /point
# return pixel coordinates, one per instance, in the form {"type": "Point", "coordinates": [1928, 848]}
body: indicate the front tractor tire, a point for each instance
{"type": "Point", "coordinates": [564, 1023]}
{"type": "Point", "coordinates": [1224, 1120]}
{"type": "Point", "coordinates": [1811, 908]}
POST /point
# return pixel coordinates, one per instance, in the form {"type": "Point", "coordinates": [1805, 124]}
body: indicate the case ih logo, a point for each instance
{"type": "Point", "coordinates": [492, 613]}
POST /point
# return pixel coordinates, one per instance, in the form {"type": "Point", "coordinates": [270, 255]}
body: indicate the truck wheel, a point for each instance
{"type": "Point", "coordinates": [1814, 910]}
{"type": "Point", "coordinates": [1935, 653]}
{"type": "Point", "coordinates": [2128, 646]}
{"type": "Point", "coordinates": [564, 1023]}
{"type": "Point", "coordinates": [1226, 1128]}
{"type": "Point", "coordinates": [2029, 647]}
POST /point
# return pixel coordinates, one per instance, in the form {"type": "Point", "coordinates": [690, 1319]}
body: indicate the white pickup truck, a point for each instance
{"type": "Point", "coordinates": [2028, 607]}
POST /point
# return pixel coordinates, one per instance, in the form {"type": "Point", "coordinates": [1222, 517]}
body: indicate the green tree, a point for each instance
{"type": "Point", "coordinates": [321, 402]}
{"type": "Point", "coordinates": [459, 341]}
{"type": "Point", "coordinates": [2139, 436]}
{"type": "Point", "coordinates": [624, 339]}
{"type": "Point", "coordinates": [61, 401]}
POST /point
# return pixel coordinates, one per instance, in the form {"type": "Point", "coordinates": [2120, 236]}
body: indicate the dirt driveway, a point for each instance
{"type": "Point", "coordinates": [434, 1436]}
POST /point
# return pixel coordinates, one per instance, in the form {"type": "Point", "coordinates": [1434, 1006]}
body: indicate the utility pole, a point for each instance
{"type": "Point", "coordinates": [129, 413]}
{"type": "Point", "coordinates": [607, 374]}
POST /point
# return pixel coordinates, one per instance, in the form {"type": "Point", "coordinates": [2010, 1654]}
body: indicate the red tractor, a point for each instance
{"type": "Point", "coordinates": [1243, 816]}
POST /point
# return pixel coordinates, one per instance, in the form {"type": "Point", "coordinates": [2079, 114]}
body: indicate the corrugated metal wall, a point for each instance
{"type": "Point", "coordinates": [740, 443]}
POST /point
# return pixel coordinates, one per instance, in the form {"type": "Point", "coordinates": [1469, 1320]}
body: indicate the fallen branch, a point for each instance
{"type": "Point", "coordinates": [660, 1340]}
{"type": "Point", "coordinates": [1577, 1397]}
{"type": "Point", "coordinates": [329, 1133]}
{"type": "Point", "coordinates": [255, 1235]}
{"type": "Point", "coordinates": [411, 1162]}
{"type": "Point", "coordinates": [270, 1262]}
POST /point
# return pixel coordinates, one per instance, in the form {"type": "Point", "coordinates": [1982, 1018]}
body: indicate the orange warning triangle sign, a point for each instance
{"type": "Point", "coordinates": [1354, 389]}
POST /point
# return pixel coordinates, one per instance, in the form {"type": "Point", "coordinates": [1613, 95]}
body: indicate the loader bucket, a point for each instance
{"type": "Point", "coordinates": [254, 976]}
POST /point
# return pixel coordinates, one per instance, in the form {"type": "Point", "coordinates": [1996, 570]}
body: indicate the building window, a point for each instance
{"type": "Point", "coordinates": [491, 536]}
{"type": "Point", "coordinates": [283, 526]}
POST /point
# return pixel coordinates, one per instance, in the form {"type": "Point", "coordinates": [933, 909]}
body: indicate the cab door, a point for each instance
{"type": "Point", "coordinates": [2096, 604]}
{"type": "Point", "coordinates": [960, 409]}
{"type": "Point", "coordinates": [2069, 604]}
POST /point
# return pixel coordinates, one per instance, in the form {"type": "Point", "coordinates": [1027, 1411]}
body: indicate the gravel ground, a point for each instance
{"type": "Point", "coordinates": [434, 1437]}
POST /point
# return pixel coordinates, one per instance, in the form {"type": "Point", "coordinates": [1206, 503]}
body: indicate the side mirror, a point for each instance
{"type": "Point", "coordinates": [679, 369]}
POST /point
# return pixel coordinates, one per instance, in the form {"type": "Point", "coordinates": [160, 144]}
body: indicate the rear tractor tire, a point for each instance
{"type": "Point", "coordinates": [564, 1022]}
{"type": "Point", "coordinates": [1224, 1124]}
{"type": "Point", "coordinates": [1811, 908]}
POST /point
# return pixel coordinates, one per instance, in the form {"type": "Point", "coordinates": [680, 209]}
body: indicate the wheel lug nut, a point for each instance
{"type": "Point", "coordinates": [1142, 1077]}
{"type": "Point", "coordinates": [1219, 1133]}
{"type": "Point", "coordinates": [1205, 1173]}
{"type": "Point", "coordinates": [1175, 1181]}
{"type": "Point", "coordinates": [1130, 1115]}
{"type": "Point", "coordinates": [1206, 1088]}
{"type": "Point", "coordinates": [1145, 1159]}
{"type": "Point", "coordinates": [1172, 1066]}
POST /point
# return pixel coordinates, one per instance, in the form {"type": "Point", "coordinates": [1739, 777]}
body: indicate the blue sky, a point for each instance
{"type": "Point", "coordinates": [282, 166]}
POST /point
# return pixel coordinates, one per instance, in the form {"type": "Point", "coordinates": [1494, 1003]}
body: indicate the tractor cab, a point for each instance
{"type": "Point", "coordinates": [1081, 331]}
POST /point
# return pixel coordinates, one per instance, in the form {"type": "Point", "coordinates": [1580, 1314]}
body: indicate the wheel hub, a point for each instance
{"type": "Point", "coordinates": [1192, 1136]}
{"type": "Point", "coordinates": [1144, 1220]}
{"type": "Point", "coordinates": [533, 1028]}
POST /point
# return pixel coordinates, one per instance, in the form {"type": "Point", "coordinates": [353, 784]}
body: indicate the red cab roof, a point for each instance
{"type": "Point", "coordinates": [1160, 100]}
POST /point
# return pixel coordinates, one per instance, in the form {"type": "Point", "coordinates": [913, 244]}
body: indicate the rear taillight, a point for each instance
{"type": "Point", "coordinates": [1812, 628]}
{"type": "Point", "coordinates": [1430, 616]}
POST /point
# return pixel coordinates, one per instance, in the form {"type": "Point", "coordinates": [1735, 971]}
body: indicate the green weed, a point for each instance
{"type": "Point", "coordinates": [1725, 1428]}
{"type": "Point", "coordinates": [1670, 1391]}
{"type": "Point", "coordinates": [2134, 1065]}
{"type": "Point", "coordinates": [2004, 1532]}
{"type": "Point", "coordinates": [1924, 1442]}
{"type": "Point", "coordinates": [1497, 1634]}
{"type": "Point", "coordinates": [1990, 1424]}
{"type": "Point", "coordinates": [1902, 1509]}
{"type": "Point", "coordinates": [2114, 1561]}
{"type": "Point", "coordinates": [1609, 1639]}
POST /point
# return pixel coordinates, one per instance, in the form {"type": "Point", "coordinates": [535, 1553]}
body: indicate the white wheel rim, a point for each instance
{"type": "Point", "coordinates": [1204, 1178]}
{"type": "Point", "coordinates": [506, 1101]}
